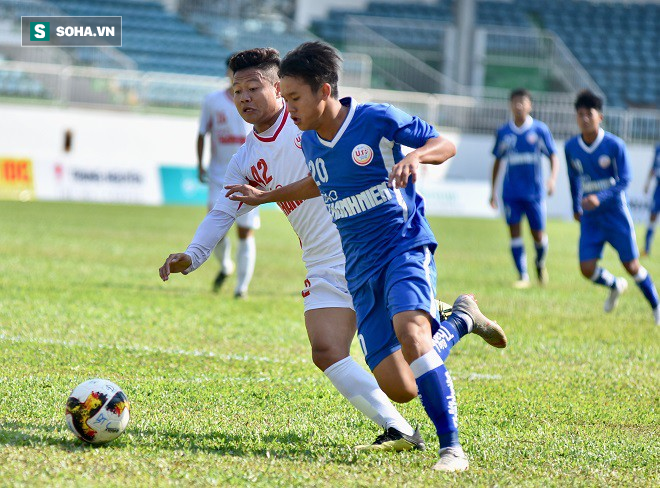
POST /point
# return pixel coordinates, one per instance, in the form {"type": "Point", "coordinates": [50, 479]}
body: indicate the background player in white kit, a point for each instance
{"type": "Point", "coordinates": [228, 129]}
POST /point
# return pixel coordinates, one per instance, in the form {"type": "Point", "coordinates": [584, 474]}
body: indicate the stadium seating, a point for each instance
{"type": "Point", "coordinates": [17, 84]}
{"type": "Point", "coordinates": [155, 39]}
{"type": "Point", "coordinates": [617, 43]}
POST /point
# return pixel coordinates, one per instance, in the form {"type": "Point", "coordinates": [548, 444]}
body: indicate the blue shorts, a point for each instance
{"type": "Point", "coordinates": [655, 204]}
{"type": "Point", "coordinates": [534, 209]}
{"type": "Point", "coordinates": [406, 283]}
{"type": "Point", "coordinates": [613, 225]}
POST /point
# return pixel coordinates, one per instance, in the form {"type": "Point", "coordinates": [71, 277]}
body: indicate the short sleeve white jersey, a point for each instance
{"type": "Point", "coordinates": [273, 159]}
{"type": "Point", "coordinates": [220, 118]}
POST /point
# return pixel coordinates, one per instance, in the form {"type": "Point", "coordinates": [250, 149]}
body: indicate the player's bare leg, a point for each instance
{"type": "Point", "coordinates": [330, 332]}
{"type": "Point", "coordinates": [396, 378]}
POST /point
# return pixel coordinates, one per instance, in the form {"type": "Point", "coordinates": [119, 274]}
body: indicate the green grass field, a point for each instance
{"type": "Point", "coordinates": [224, 392]}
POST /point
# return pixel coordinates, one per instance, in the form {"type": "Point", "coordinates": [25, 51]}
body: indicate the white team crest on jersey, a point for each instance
{"type": "Point", "coordinates": [362, 154]}
{"type": "Point", "coordinates": [604, 161]}
{"type": "Point", "coordinates": [532, 137]}
{"type": "Point", "coordinates": [298, 140]}
{"type": "Point", "coordinates": [508, 142]}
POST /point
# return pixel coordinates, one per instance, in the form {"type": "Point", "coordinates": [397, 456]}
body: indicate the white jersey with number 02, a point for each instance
{"type": "Point", "coordinates": [272, 159]}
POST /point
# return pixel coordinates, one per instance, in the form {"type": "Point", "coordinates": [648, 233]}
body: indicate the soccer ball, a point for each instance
{"type": "Point", "coordinates": [97, 411]}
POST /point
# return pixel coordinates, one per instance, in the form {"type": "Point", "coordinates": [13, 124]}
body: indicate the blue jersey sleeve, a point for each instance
{"type": "Point", "coordinates": [549, 148]}
{"type": "Point", "coordinates": [575, 182]}
{"type": "Point", "coordinates": [623, 177]}
{"type": "Point", "coordinates": [498, 151]}
{"type": "Point", "coordinates": [407, 130]}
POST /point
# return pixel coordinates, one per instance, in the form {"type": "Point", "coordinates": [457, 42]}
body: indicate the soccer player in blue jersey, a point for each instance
{"type": "Point", "coordinates": [599, 174]}
{"type": "Point", "coordinates": [354, 155]}
{"type": "Point", "coordinates": [655, 204]}
{"type": "Point", "coordinates": [522, 142]}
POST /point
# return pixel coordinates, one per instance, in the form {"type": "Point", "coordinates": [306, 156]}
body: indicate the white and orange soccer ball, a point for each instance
{"type": "Point", "coordinates": [97, 411]}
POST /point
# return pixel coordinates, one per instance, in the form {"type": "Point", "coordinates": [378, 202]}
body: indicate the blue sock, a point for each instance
{"type": "Point", "coordinates": [541, 251]}
{"type": "Point", "coordinates": [519, 257]}
{"type": "Point", "coordinates": [649, 238]}
{"type": "Point", "coordinates": [603, 277]}
{"type": "Point", "coordinates": [645, 283]}
{"type": "Point", "coordinates": [449, 333]}
{"type": "Point", "coordinates": [436, 391]}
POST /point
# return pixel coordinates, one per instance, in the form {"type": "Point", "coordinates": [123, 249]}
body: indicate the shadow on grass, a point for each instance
{"type": "Point", "coordinates": [284, 445]}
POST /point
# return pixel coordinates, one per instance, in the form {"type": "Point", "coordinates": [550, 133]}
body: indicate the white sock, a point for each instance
{"type": "Point", "coordinates": [246, 257]}
{"type": "Point", "coordinates": [361, 389]}
{"type": "Point", "coordinates": [222, 253]}
{"type": "Point", "coordinates": [641, 275]}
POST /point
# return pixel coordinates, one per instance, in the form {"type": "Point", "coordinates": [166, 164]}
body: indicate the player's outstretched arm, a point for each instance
{"type": "Point", "coordinates": [213, 228]}
{"type": "Point", "coordinates": [493, 182]}
{"type": "Point", "coordinates": [175, 263]}
{"type": "Point", "coordinates": [436, 150]}
{"type": "Point", "coordinates": [201, 172]}
{"type": "Point", "coordinates": [554, 171]}
{"type": "Point", "coordinates": [300, 190]}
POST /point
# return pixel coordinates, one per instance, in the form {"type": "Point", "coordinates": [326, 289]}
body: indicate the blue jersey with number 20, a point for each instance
{"type": "Point", "coordinates": [375, 222]}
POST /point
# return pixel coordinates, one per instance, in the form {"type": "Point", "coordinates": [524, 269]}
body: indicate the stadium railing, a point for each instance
{"type": "Point", "coordinates": [135, 90]}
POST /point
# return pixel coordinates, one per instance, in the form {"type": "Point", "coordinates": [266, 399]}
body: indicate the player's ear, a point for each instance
{"type": "Point", "coordinates": [278, 94]}
{"type": "Point", "coordinates": [326, 91]}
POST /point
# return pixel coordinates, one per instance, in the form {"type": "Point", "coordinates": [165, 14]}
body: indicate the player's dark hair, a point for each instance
{"type": "Point", "coordinates": [229, 59]}
{"type": "Point", "coordinates": [261, 58]}
{"type": "Point", "coordinates": [520, 92]}
{"type": "Point", "coordinates": [588, 99]}
{"type": "Point", "coordinates": [316, 63]}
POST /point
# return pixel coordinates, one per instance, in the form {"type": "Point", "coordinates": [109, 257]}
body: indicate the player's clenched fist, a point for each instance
{"type": "Point", "coordinates": [402, 171]}
{"type": "Point", "coordinates": [175, 263]}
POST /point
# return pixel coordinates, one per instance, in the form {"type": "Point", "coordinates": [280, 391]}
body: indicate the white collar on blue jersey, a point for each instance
{"type": "Point", "coordinates": [351, 111]}
{"type": "Point", "coordinates": [523, 128]}
{"type": "Point", "coordinates": [594, 145]}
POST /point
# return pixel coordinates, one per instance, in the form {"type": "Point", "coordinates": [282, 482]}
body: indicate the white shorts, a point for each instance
{"type": "Point", "coordinates": [326, 288]}
{"type": "Point", "coordinates": [250, 220]}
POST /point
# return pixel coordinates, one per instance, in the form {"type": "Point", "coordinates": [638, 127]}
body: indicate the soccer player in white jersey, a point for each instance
{"type": "Point", "coordinates": [522, 142]}
{"type": "Point", "coordinates": [227, 131]}
{"type": "Point", "coordinates": [353, 152]}
{"type": "Point", "coordinates": [599, 174]}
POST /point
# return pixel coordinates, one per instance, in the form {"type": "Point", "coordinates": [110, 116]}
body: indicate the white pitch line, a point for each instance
{"type": "Point", "coordinates": [470, 376]}
{"type": "Point", "coordinates": [149, 349]}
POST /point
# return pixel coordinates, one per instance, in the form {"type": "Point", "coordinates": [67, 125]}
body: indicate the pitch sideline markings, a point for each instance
{"type": "Point", "coordinates": [470, 376]}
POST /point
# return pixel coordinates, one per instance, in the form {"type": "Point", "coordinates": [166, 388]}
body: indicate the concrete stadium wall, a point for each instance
{"type": "Point", "coordinates": [150, 159]}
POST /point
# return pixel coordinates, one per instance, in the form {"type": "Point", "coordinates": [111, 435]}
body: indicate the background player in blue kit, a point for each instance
{"type": "Point", "coordinates": [522, 142]}
{"type": "Point", "coordinates": [599, 174]}
{"type": "Point", "coordinates": [655, 204]}
{"type": "Point", "coordinates": [353, 152]}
